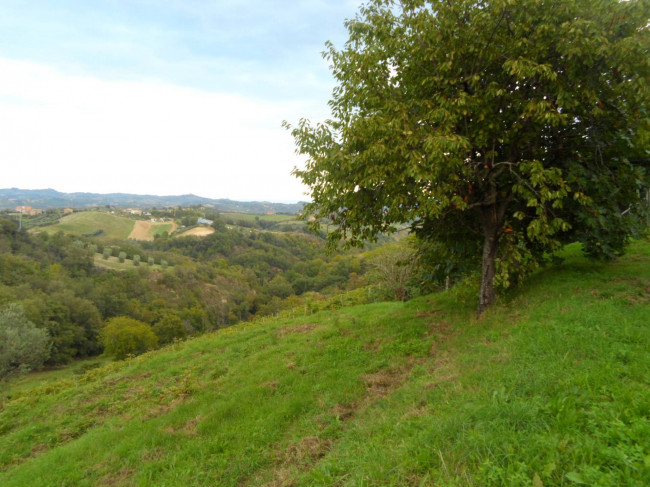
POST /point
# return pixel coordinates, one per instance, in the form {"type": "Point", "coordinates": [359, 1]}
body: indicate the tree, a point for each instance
{"type": "Point", "coordinates": [498, 129]}
{"type": "Point", "coordinates": [23, 346]}
{"type": "Point", "coordinates": [124, 336]}
{"type": "Point", "coordinates": [169, 327]}
{"type": "Point", "coordinates": [393, 271]}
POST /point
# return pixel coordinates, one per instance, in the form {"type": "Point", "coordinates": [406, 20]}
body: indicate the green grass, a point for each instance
{"type": "Point", "coordinates": [90, 222]}
{"type": "Point", "coordinates": [551, 388]}
{"type": "Point", "coordinates": [159, 229]}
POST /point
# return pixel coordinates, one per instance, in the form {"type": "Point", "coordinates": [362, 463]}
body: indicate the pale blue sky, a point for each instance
{"type": "Point", "coordinates": [108, 96]}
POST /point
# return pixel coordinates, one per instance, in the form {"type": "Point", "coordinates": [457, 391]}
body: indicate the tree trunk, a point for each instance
{"type": "Point", "coordinates": [491, 228]}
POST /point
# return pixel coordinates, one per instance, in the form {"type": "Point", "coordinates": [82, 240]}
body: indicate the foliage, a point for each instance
{"type": "Point", "coordinates": [68, 290]}
{"type": "Point", "coordinates": [507, 127]}
{"type": "Point", "coordinates": [123, 336]}
{"type": "Point", "coordinates": [393, 270]}
{"type": "Point", "coordinates": [169, 328]}
{"type": "Point", "coordinates": [23, 347]}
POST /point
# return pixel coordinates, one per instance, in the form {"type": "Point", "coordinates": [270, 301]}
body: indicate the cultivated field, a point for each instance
{"type": "Point", "coordinates": [198, 232]}
{"type": "Point", "coordinates": [103, 225]}
{"type": "Point", "coordinates": [144, 230]}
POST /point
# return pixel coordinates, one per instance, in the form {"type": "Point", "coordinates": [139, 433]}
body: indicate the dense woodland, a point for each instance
{"type": "Point", "coordinates": [211, 282]}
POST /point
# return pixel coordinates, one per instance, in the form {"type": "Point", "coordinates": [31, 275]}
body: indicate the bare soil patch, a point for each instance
{"type": "Point", "coordinates": [198, 232]}
{"type": "Point", "coordinates": [298, 329]}
{"type": "Point", "coordinates": [141, 229]}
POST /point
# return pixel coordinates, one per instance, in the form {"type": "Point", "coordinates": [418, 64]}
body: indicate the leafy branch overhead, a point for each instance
{"type": "Point", "coordinates": [510, 126]}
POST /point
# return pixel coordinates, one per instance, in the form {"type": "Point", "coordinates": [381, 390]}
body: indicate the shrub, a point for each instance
{"type": "Point", "coordinates": [169, 327]}
{"type": "Point", "coordinates": [124, 336]}
{"type": "Point", "coordinates": [107, 252]}
{"type": "Point", "coordinates": [136, 260]}
{"type": "Point", "coordinates": [23, 347]}
{"type": "Point", "coordinates": [122, 256]}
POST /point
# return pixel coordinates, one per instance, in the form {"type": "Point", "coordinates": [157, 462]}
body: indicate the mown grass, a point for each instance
{"type": "Point", "coordinates": [160, 228]}
{"type": "Point", "coordinates": [549, 389]}
{"type": "Point", "coordinates": [91, 222]}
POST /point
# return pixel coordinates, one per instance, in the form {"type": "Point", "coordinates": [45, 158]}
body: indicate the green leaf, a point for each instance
{"type": "Point", "coordinates": [575, 477]}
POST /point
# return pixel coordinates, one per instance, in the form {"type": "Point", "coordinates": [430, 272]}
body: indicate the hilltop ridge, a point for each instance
{"type": "Point", "coordinates": [50, 198]}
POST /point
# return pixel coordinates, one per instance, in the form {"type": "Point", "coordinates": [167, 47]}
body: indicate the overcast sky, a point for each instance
{"type": "Point", "coordinates": [162, 97]}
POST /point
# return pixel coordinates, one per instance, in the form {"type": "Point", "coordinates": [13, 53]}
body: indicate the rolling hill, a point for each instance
{"type": "Point", "coordinates": [50, 198]}
{"type": "Point", "coordinates": [549, 389]}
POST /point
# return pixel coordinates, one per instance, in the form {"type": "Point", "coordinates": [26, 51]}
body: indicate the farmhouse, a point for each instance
{"type": "Point", "coordinates": [28, 210]}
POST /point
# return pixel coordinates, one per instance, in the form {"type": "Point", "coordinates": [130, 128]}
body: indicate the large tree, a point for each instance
{"type": "Point", "coordinates": [497, 129]}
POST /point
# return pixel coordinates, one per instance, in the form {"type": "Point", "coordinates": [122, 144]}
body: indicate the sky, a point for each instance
{"type": "Point", "coordinates": [163, 97]}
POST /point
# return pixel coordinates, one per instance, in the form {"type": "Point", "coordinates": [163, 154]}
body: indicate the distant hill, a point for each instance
{"type": "Point", "coordinates": [50, 198]}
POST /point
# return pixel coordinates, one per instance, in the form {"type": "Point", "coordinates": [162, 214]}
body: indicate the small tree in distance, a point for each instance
{"type": "Point", "coordinates": [23, 346]}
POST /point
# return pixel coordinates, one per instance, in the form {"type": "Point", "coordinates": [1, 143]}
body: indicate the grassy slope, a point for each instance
{"type": "Point", "coordinates": [551, 388]}
{"type": "Point", "coordinates": [87, 222]}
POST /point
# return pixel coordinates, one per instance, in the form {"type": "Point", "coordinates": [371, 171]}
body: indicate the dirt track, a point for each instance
{"type": "Point", "coordinates": [141, 230]}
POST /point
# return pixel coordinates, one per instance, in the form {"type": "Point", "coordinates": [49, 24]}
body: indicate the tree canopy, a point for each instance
{"type": "Point", "coordinates": [497, 129]}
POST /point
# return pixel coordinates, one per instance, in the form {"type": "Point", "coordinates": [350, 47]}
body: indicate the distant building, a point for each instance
{"type": "Point", "coordinates": [203, 221]}
{"type": "Point", "coordinates": [28, 210]}
{"type": "Point", "coordinates": [67, 211]}
{"type": "Point", "coordinates": [270, 212]}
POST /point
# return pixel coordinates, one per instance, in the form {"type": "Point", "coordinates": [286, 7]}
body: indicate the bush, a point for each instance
{"type": "Point", "coordinates": [150, 261]}
{"type": "Point", "coordinates": [107, 252]}
{"type": "Point", "coordinates": [169, 327]}
{"type": "Point", "coordinates": [23, 347]}
{"type": "Point", "coordinates": [124, 336]}
{"type": "Point", "coordinates": [136, 260]}
{"type": "Point", "coordinates": [122, 256]}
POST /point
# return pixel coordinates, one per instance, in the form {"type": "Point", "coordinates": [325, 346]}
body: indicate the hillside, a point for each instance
{"type": "Point", "coordinates": [103, 225]}
{"type": "Point", "coordinates": [549, 389]}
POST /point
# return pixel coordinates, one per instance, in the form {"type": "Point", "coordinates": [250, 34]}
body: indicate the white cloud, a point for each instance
{"type": "Point", "coordinates": [76, 133]}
